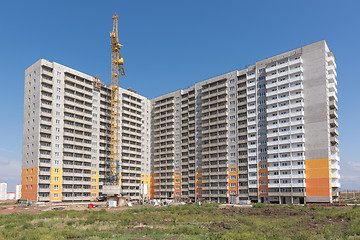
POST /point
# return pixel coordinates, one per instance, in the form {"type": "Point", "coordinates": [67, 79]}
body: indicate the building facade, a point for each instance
{"type": "Point", "coordinates": [3, 191]}
{"type": "Point", "coordinates": [66, 136]}
{"type": "Point", "coordinates": [266, 133]}
{"type": "Point", "coordinates": [18, 192]}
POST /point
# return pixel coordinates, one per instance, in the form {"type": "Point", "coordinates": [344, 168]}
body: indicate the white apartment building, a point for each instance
{"type": "Point", "coordinates": [18, 192]}
{"type": "Point", "coordinates": [3, 191]}
{"type": "Point", "coordinates": [267, 133]}
{"type": "Point", "coordinates": [66, 138]}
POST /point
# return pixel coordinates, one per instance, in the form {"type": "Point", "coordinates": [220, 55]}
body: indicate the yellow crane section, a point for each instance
{"type": "Point", "coordinates": [117, 63]}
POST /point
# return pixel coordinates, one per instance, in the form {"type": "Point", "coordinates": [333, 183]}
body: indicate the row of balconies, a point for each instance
{"type": "Point", "coordinates": [285, 64]}
{"type": "Point", "coordinates": [286, 81]}
{"type": "Point", "coordinates": [285, 194]}
{"type": "Point", "coordinates": [286, 176]}
{"type": "Point", "coordinates": [78, 95]}
{"type": "Point", "coordinates": [289, 167]}
{"type": "Point", "coordinates": [275, 108]}
{"type": "Point", "coordinates": [285, 90]}
{"type": "Point", "coordinates": [284, 159]}
{"type": "Point", "coordinates": [283, 73]}
{"type": "Point", "coordinates": [290, 97]}
{"type": "Point", "coordinates": [291, 114]}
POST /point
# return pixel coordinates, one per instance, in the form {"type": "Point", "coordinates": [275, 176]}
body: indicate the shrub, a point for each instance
{"type": "Point", "coordinates": [259, 205]}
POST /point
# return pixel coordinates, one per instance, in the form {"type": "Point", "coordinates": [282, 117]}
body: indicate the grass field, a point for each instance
{"type": "Point", "coordinates": [187, 222]}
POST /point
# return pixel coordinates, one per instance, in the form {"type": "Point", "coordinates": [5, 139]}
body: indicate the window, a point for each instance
{"type": "Point", "coordinates": [56, 170]}
{"type": "Point", "coordinates": [263, 174]}
{"type": "Point", "coordinates": [56, 187]}
{"type": "Point", "coordinates": [263, 166]}
{"type": "Point", "coordinates": [263, 182]}
{"type": "Point", "coordinates": [232, 177]}
{"type": "Point", "coordinates": [56, 195]}
{"type": "Point", "coordinates": [58, 81]}
{"type": "Point", "coordinates": [232, 169]}
{"type": "Point", "coordinates": [56, 179]}
{"type": "Point", "coordinates": [57, 97]}
{"type": "Point", "coordinates": [232, 184]}
{"type": "Point", "coordinates": [232, 80]}
{"type": "Point", "coordinates": [232, 88]}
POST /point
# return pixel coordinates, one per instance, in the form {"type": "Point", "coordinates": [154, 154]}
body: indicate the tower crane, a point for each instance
{"type": "Point", "coordinates": [117, 67]}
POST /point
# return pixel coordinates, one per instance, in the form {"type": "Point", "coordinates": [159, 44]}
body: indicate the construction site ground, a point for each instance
{"type": "Point", "coordinates": [179, 221]}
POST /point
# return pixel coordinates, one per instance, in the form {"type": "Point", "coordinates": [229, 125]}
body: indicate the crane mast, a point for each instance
{"type": "Point", "coordinates": [117, 63]}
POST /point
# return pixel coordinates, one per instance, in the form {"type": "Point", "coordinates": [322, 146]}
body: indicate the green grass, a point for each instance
{"type": "Point", "coordinates": [6, 203]}
{"type": "Point", "coordinates": [187, 222]}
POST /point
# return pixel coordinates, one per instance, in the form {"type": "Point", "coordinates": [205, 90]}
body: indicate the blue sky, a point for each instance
{"type": "Point", "coordinates": [170, 45]}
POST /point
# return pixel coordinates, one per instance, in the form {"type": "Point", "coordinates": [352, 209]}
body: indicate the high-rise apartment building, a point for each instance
{"type": "Point", "coordinates": [66, 136]}
{"type": "Point", "coordinates": [267, 133]}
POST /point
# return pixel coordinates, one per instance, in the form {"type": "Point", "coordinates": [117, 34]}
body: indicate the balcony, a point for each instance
{"type": "Point", "coordinates": [331, 70]}
{"type": "Point", "coordinates": [332, 78]}
{"type": "Point", "coordinates": [333, 104]}
{"type": "Point", "coordinates": [296, 70]}
{"type": "Point", "coordinates": [334, 140]}
{"type": "Point", "coordinates": [335, 175]}
{"type": "Point", "coordinates": [250, 76]}
{"type": "Point", "coordinates": [252, 170]}
{"type": "Point", "coordinates": [332, 96]}
{"type": "Point", "coordinates": [332, 87]}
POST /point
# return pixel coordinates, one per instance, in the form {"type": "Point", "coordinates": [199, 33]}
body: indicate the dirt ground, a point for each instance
{"type": "Point", "coordinates": [12, 207]}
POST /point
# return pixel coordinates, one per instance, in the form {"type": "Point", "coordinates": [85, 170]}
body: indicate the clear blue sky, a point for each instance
{"type": "Point", "coordinates": [170, 45]}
